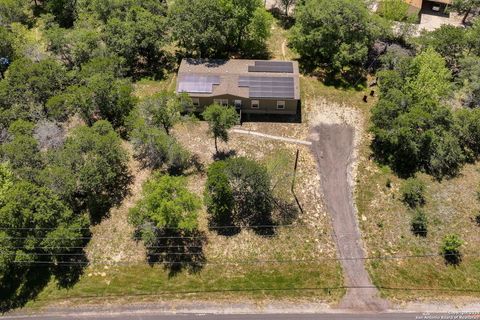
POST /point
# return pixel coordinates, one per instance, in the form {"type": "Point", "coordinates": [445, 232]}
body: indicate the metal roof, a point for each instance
{"type": "Point", "coordinates": [241, 78]}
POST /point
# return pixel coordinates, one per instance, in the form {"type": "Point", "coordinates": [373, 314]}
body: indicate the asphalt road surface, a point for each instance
{"type": "Point", "coordinates": [147, 316]}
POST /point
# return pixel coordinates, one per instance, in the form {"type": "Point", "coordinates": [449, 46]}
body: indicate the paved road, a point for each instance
{"type": "Point", "coordinates": [147, 316]}
{"type": "Point", "coordinates": [333, 150]}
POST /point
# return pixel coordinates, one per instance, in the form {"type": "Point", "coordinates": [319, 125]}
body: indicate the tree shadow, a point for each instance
{"type": "Point", "coordinates": [452, 257]}
{"type": "Point", "coordinates": [26, 282]}
{"type": "Point", "coordinates": [178, 250]}
{"type": "Point", "coordinates": [70, 268]}
{"type": "Point", "coordinates": [224, 155]}
{"type": "Point", "coordinates": [99, 204]}
{"type": "Point", "coordinates": [286, 22]}
{"type": "Point", "coordinates": [22, 285]}
{"type": "Point", "coordinates": [286, 212]}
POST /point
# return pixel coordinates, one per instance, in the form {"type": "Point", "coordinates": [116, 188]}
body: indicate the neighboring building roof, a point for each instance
{"type": "Point", "coordinates": [241, 78]}
{"type": "Point", "coordinates": [418, 3]}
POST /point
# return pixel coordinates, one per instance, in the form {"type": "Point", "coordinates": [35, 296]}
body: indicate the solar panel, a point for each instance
{"type": "Point", "coordinates": [269, 87]}
{"type": "Point", "coordinates": [195, 83]}
{"type": "Point", "coordinates": [272, 66]}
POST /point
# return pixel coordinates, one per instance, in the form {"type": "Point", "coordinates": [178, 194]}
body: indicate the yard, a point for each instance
{"type": "Point", "coordinates": [297, 262]}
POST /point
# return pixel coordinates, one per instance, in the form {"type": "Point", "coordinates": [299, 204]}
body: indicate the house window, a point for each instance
{"type": "Point", "coordinates": [281, 105]}
{"type": "Point", "coordinates": [196, 102]}
{"type": "Point", "coordinates": [222, 102]}
{"type": "Point", "coordinates": [255, 104]}
{"type": "Point", "coordinates": [238, 104]}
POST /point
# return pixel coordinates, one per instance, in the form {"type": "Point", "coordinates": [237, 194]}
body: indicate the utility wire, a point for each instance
{"type": "Point", "coordinates": [254, 262]}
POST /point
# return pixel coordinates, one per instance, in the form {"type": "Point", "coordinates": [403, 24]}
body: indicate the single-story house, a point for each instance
{"type": "Point", "coordinates": [252, 86]}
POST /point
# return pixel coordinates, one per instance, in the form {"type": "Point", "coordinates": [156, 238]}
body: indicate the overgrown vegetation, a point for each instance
{"type": "Point", "coordinates": [238, 194]}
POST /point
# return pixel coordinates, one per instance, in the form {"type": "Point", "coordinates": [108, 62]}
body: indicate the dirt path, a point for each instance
{"type": "Point", "coordinates": [333, 147]}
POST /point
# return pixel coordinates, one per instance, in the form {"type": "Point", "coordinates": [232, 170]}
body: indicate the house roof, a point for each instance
{"type": "Point", "coordinates": [240, 78]}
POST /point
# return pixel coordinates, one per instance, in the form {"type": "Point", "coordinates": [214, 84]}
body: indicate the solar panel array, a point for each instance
{"type": "Point", "coordinates": [195, 83]}
{"type": "Point", "coordinates": [272, 66]}
{"type": "Point", "coordinates": [269, 87]}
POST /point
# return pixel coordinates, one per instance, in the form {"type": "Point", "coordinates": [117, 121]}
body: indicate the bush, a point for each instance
{"type": "Point", "coordinates": [166, 204]}
{"type": "Point", "coordinates": [419, 223]}
{"type": "Point", "coordinates": [156, 149]}
{"type": "Point", "coordinates": [238, 192]}
{"type": "Point", "coordinates": [451, 249]}
{"type": "Point", "coordinates": [413, 192]}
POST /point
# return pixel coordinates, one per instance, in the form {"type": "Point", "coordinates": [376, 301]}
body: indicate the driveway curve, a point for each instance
{"type": "Point", "coordinates": [333, 148]}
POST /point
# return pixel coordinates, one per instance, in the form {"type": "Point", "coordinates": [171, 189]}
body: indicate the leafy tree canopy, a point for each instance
{"type": "Point", "coordinates": [27, 87]}
{"type": "Point", "coordinates": [220, 119]}
{"type": "Point", "coordinates": [223, 27]}
{"type": "Point", "coordinates": [336, 34]}
{"type": "Point", "coordinates": [413, 131]}
{"type": "Point", "coordinates": [36, 227]}
{"type": "Point", "coordinates": [449, 41]}
{"type": "Point", "coordinates": [166, 203]}
{"type": "Point", "coordinates": [90, 171]}
{"type": "Point", "coordinates": [238, 192]}
{"type": "Point", "coordinates": [164, 109]}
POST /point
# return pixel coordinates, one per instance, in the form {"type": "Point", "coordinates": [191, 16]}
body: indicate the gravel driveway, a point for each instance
{"type": "Point", "coordinates": [333, 149]}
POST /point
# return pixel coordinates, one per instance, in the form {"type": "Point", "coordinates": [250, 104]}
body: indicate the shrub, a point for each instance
{"type": "Point", "coordinates": [419, 223]}
{"type": "Point", "coordinates": [451, 249]}
{"type": "Point", "coordinates": [166, 204]}
{"type": "Point", "coordinates": [238, 192]}
{"type": "Point", "coordinates": [413, 192]}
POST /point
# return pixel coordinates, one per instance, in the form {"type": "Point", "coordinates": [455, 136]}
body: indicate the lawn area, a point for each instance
{"type": "Point", "coordinates": [385, 222]}
{"type": "Point", "coordinates": [142, 283]}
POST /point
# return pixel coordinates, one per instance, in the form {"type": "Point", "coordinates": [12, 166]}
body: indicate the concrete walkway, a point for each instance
{"type": "Point", "coordinates": [268, 136]}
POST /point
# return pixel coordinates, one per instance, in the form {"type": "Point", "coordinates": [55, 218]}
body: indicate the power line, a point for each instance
{"type": "Point", "coordinates": [233, 262]}
{"type": "Point", "coordinates": [171, 228]}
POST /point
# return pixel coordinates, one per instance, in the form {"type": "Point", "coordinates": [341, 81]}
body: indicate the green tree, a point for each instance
{"type": "Point", "coordinates": [27, 87]}
{"type": "Point", "coordinates": [75, 46]}
{"type": "Point", "coordinates": [238, 192]}
{"type": "Point", "coordinates": [220, 119]}
{"type": "Point", "coordinates": [90, 171]}
{"type": "Point", "coordinates": [154, 148]}
{"type": "Point", "coordinates": [101, 96]}
{"type": "Point", "coordinates": [467, 129]}
{"type": "Point", "coordinates": [167, 204]}
{"type": "Point", "coordinates": [419, 224]}
{"type": "Point", "coordinates": [335, 34]}
{"type": "Point", "coordinates": [473, 37]}
{"type": "Point", "coordinates": [64, 11]}
{"type": "Point", "coordinates": [396, 10]}
{"type": "Point", "coordinates": [464, 7]}
{"type": "Point", "coordinates": [106, 9]}
{"type": "Point", "coordinates": [449, 41]}
{"type": "Point", "coordinates": [14, 11]}
{"type": "Point", "coordinates": [38, 234]}
{"type": "Point", "coordinates": [7, 52]}
{"type": "Point", "coordinates": [450, 249]}
{"type": "Point", "coordinates": [469, 81]}
{"type": "Point", "coordinates": [286, 5]}
{"type": "Point", "coordinates": [164, 109]}
{"type": "Point", "coordinates": [224, 27]}
{"type": "Point", "coordinates": [21, 150]}
{"type": "Point", "coordinates": [430, 80]}
{"type": "Point", "coordinates": [6, 181]}
{"type": "Point", "coordinates": [413, 192]}
{"type": "Point", "coordinates": [140, 38]}
{"type": "Point", "coordinates": [413, 130]}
